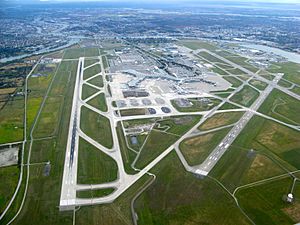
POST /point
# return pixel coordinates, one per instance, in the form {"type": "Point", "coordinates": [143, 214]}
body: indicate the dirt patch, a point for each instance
{"type": "Point", "coordinates": [199, 140]}
{"type": "Point", "coordinates": [9, 156]}
{"type": "Point", "coordinates": [5, 91]}
{"type": "Point", "coordinates": [293, 211]}
{"type": "Point", "coordinates": [278, 138]}
{"type": "Point", "coordinates": [219, 120]}
{"type": "Point", "coordinates": [262, 167]}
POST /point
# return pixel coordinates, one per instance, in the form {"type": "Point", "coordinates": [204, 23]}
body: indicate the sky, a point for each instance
{"type": "Point", "coordinates": [156, 1]}
{"type": "Point", "coordinates": [264, 1]}
{"type": "Point", "coordinates": [162, 1]}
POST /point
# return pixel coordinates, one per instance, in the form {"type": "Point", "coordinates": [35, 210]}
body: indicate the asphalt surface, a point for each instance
{"type": "Point", "coordinates": [69, 182]}
{"type": "Point", "coordinates": [223, 146]}
{"type": "Point", "coordinates": [124, 181]}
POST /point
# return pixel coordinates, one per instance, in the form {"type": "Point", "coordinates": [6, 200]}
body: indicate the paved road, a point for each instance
{"type": "Point", "coordinates": [219, 151]}
{"type": "Point", "coordinates": [124, 180]}
{"type": "Point", "coordinates": [69, 182]}
{"type": "Point", "coordinates": [23, 149]}
{"type": "Point", "coordinates": [285, 90]}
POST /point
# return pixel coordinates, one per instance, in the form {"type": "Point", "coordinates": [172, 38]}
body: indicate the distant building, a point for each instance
{"type": "Point", "coordinates": [135, 93]}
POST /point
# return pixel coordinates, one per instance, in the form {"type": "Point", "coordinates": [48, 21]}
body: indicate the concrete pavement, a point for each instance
{"type": "Point", "coordinates": [218, 152]}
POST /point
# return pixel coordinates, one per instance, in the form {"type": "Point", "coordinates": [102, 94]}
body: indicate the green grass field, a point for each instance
{"type": "Point", "coordinates": [105, 63]}
{"type": "Point", "coordinates": [243, 77]}
{"type": "Point", "coordinates": [225, 66]}
{"type": "Point", "coordinates": [154, 148]}
{"type": "Point", "coordinates": [43, 150]}
{"type": "Point", "coordinates": [91, 52]}
{"type": "Point", "coordinates": [116, 213]}
{"type": "Point", "coordinates": [282, 107]}
{"type": "Point", "coordinates": [223, 95]}
{"type": "Point", "coordinates": [246, 96]}
{"type": "Point", "coordinates": [284, 83]}
{"type": "Point", "coordinates": [65, 71]}
{"type": "Point", "coordinates": [268, 76]}
{"type": "Point", "coordinates": [219, 71]}
{"type": "Point", "coordinates": [99, 102]}
{"type": "Point", "coordinates": [33, 105]}
{"type": "Point", "coordinates": [88, 91]}
{"type": "Point", "coordinates": [235, 82]}
{"type": "Point", "coordinates": [265, 205]}
{"type": "Point", "coordinates": [94, 166]}
{"type": "Point", "coordinates": [211, 58]}
{"type": "Point", "coordinates": [258, 84]}
{"type": "Point", "coordinates": [296, 90]}
{"type": "Point", "coordinates": [225, 53]}
{"type": "Point", "coordinates": [279, 141]}
{"type": "Point", "coordinates": [43, 194]}
{"type": "Point", "coordinates": [130, 123]}
{"type": "Point", "coordinates": [133, 112]}
{"type": "Point", "coordinates": [221, 119]}
{"type": "Point", "coordinates": [140, 138]}
{"type": "Point", "coordinates": [44, 191]}
{"type": "Point", "coordinates": [89, 62]}
{"type": "Point", "coordinates": [97, 81]}
{"type": "Point", "coordinates": [9, 177]}
{"type": "Point", "coordinates": [240, 166]}
{"type": "Point", "coordinates": [91, 71]}
{"type": "Point", "coordinates": [74, 53]}
{"type": "Point", "coordinates": [37, 86]}
{"type": "Point", "coordinates": [128, 156]}
{"type": "Point", "coordinates": [94, 193]}
{"type": "Point", "coordinates": [227, 105]}
{"type": "Point", "coordinates": [11, 120]}
{"type": "Point", "coordinates": [48, 122]}
{"type": "Point", "coordinates": [196, 44]}
{"type": "Point", "coordinates": [291, 71]}
{"type": "Point", "coordinates": [178, 125]}
{"type": "Point", "coordinates": [235, 71]}
{"type": "Point", "coordinates": [241, 61]}
{"type": "Point", "coordinates": [197, 149]}
{"type": "Point", "coordinates": [96, 126]}
{"type": "Point", "coordinates": [178, 197]}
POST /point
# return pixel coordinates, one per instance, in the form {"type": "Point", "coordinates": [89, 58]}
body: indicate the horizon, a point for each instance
{"type": "Point", "coordinates": [158, 1]}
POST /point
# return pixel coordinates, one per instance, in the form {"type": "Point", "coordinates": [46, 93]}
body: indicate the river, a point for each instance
{"type": "Point", "coordinates": [42, 51]}
{"type": "Point", "coordinates": [290, 56]}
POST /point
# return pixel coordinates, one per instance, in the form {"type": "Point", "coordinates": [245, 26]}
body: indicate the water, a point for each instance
{"type": "Point", "coordinates": [42, 51]}
{"type": "Point", "coordinates": [290, 56]}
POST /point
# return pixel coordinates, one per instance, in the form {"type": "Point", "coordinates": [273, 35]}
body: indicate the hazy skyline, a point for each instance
{"type": "Point", "coordinates": [162, 1]}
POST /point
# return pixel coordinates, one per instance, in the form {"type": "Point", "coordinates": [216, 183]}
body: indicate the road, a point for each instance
{"type": "Point", "coordinates": [285, 90]}
{"type": "Point", "coordinates": [219, 151]}
{"type": "Point", "coordinates": [124, 181]}
{"type": "Point", "coordinates": [23, 145]}
{"type": "Point", "coordinates": [69, 182]}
